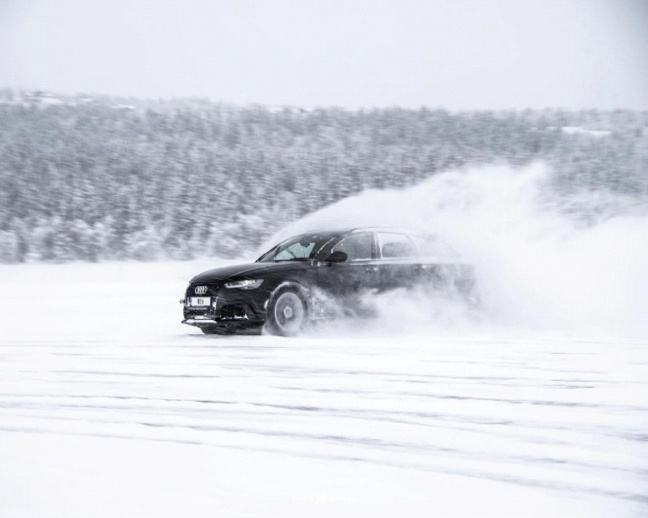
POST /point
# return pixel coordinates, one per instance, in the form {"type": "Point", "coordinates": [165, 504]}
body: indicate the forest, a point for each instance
{"type": "Point", "coordinates": [93, 178]}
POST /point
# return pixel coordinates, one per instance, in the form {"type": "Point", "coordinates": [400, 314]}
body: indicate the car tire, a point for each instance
{"type": "Point", "coordinates": [288, 312]}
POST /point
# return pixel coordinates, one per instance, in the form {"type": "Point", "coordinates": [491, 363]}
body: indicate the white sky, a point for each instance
{"type": "Point", "coordinates": [459, 54]}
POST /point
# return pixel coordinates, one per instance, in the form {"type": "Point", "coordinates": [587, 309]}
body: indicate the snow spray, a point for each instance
{"type": "Point", "coordinates": [542, 259]}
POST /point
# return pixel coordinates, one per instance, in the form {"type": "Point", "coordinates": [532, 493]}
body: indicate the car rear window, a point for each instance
{"type": "Point", "coordinates": [393, 245]}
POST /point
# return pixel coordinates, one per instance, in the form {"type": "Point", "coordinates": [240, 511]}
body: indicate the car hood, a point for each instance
{"type": "Point", "coordinates": [250, 270]}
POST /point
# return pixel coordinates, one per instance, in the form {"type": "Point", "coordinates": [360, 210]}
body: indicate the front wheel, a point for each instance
{"type": "Point", "coordinates": [287, 313]}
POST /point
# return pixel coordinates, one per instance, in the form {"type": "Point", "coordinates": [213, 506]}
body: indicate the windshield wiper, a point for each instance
{"type": "Point", "coordinates": [298, 259]}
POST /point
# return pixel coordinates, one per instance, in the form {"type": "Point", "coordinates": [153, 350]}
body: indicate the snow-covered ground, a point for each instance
{"type": "Point", "coordinates": [110, 407]}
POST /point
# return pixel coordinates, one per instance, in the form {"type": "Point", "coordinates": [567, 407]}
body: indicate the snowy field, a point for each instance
{"type": "Point", "coordinates": [110, 407]}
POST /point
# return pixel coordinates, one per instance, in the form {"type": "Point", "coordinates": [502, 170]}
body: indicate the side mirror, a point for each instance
{"type": "Point", "coordinates": [337, 257]}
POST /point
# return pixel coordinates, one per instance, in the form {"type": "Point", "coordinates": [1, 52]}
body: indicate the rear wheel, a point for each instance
{"type": "Point", "coordinates": [287, 313]}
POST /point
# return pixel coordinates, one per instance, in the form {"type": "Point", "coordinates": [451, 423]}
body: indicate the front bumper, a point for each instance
{"type": "Point", "coordinates": [231, 308]}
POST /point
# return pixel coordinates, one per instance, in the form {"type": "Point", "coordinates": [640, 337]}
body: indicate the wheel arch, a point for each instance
{"type": "Point", "coordinates": [303, 294]}
{"type": "Point", "coordinates": [291, 285]}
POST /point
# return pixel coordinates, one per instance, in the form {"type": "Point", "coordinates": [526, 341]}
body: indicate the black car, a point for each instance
{"type": "Point", "coordinates": [295, 281]}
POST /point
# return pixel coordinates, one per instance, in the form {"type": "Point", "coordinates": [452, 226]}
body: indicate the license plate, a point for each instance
{"type": "Point", "coordinates": [199, 301]}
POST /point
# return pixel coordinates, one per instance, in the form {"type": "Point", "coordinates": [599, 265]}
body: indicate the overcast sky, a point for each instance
{"type": "Point", "coordinates": [458, 54]}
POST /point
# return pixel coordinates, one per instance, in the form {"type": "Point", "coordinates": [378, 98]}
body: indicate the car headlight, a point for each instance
{"type": "Point", "coordinates": [245, 284]}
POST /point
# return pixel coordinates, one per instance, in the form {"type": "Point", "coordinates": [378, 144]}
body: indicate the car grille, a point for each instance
{"type": "Point", "coordinates": [233, 312]}
{"type": "Point", "coordinates": [211, 290]}
{"type": "Point", "coordinates": [190, 312]}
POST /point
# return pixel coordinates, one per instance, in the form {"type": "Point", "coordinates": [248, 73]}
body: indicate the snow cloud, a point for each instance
{"type": "Point", "coordinates": [542, 259]}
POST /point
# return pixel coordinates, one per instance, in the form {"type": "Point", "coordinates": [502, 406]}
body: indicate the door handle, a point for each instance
{"type": "Point", "coordinates": [371, 269]}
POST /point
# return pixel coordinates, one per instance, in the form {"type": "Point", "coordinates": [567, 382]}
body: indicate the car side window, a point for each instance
{"type": "Point", "coordinates": [393, 245]}
{"type": "Point", "coordinates": [356, 246]}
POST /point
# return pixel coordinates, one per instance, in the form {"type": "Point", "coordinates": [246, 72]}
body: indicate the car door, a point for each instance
{"type": "Point", "coordinates": [398, 260]}
{"type": "Point", "coordinates": [358, 273]}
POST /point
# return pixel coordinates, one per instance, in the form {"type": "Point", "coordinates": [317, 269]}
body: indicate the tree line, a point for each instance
{"type": "Point", "coordinates": [97, 178]}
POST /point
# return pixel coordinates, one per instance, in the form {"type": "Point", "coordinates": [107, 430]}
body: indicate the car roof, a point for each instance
{"type": "Point", "coordinates": [350, 230]}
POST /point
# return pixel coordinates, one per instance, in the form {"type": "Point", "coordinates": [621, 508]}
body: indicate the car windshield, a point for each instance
{"type": "Point", "coordinates": [298, 248]}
